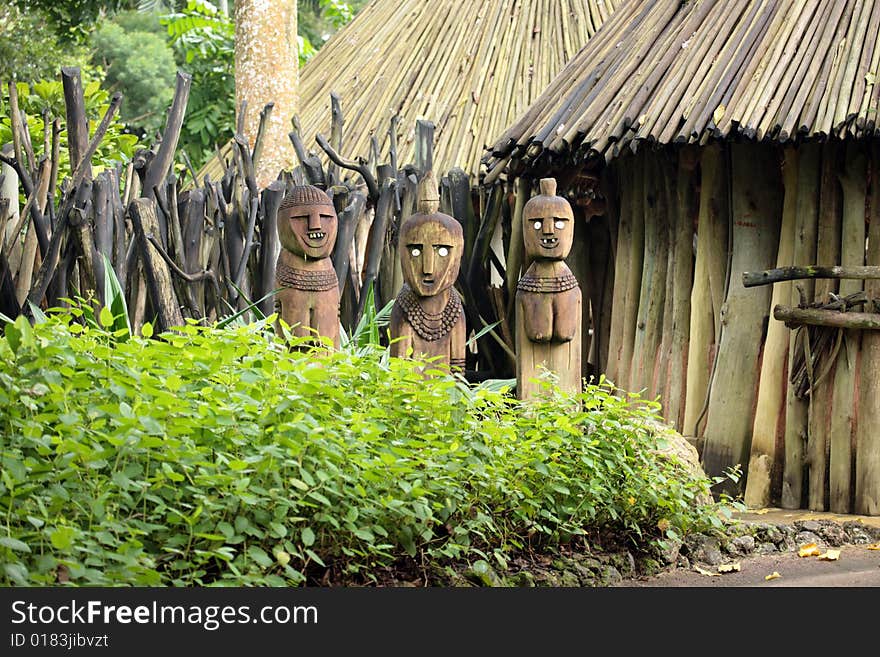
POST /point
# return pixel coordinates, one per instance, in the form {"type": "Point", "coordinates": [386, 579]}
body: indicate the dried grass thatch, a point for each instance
{"type": "Point", "coordinates": [669, 71]}
{"type": "Point", "coordinates": [470, 67]}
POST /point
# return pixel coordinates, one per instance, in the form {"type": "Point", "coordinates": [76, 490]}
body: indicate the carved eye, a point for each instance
{"type": "Point", "coordinates": [537, 225]}
{"type": "Point", "coordinates": [416, 253]}
{"type": "Point", "coordinates": [443, 252]}
{"type": "Point", "coordinates": [559, 224]}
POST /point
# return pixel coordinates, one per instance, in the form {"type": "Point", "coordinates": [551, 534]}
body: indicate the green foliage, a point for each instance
{"type": "Point", "coordinates": [224, 457]}
{"type": "Point", "coordinates": [202, 38]}
{"type": "Point", "coordinates": [73, 20]}
{"type": "Point", "coordinates": [48, 95]}
{"type": "Point", "coordinates": [30, 50]}
{"type": "Point", "coordinates": [139, 64]}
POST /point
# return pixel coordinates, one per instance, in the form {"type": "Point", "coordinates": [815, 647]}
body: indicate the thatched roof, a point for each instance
{"type": "Point", "coordinates": [675, 71]}
{"type": "Point", "coordinates": [468, 66]}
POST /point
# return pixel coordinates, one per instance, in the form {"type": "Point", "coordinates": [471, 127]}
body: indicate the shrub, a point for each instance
{"type": "Point", "coordinates": [221, 457]}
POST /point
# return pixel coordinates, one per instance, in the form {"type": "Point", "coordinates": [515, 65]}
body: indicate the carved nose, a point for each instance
{"type": "Point", "coordinates": [427, 261]}
{"type": "Point", "coordinates": [314, 220]}
{"type": "Point", "coordinates": [547, 225]}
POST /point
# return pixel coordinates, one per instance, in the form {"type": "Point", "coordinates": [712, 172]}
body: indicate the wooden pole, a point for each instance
{"type": "Point", "coordinates": [867, 466]}
{"type": "Point", "coordinates": [769, 426]}
{"type": "Point", "coordinates": [703, 336]}
{"type": "Point", "coordinates": [756, 203]}
{"type": "Point", "coordinates": [794, 317]}
{"type": "Point", "coordinates": [796, 411]}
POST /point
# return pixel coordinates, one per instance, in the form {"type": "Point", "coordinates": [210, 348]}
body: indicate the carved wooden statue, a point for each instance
{"type": "Point", "coordinates": [428, 317]}
{"type": "Point", "coordinates": [310, 296]}
{"type": "Point", "coordinates": [548, 298]}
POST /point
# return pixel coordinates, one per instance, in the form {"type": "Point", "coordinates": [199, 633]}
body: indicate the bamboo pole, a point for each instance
{"type": "Point", "coordinates": [769, 426]}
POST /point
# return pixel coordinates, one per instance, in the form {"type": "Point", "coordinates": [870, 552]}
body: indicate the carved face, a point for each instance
{"type": "Point", "coordinates": [430, 253]}
{"type": "Point", "coordinates": [548, 228]}
{"type": "Point", "coordinates": [308, 230]}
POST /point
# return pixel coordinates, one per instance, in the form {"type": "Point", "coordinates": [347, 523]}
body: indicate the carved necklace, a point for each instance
{"type": "Point", "coordinates": [430, 326]}
{"type": "Point", "coordinates": [549, 284]}
{"type": "Point", "coordinates": [304, 279]}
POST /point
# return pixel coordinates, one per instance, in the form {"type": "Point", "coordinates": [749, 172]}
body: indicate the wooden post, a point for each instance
{"type": "Point", "coordinates": [821, 450]}
{"type": "Point", "coordinates": [769, 426]}
{"type": "Point", "coordinates": [867, 466]}
{"type": "Point", "coordinates": [621, 272]}
{"type": "Point", "coordinates": [796, 410]}
{"type": "Point", "coordinates": [708, 286]}
{"type": "Point", "coordinates": [756, 210]}
{"type": "Point", "coordinates": [158, 276]}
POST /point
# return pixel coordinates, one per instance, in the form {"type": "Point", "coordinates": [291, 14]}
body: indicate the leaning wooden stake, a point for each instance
{"type": "Point", "coordinates": [770, 409]}
{"type": "Point", "coordinates": [756, 203]}
{"type": "Point", "coordinates": [158, 276]}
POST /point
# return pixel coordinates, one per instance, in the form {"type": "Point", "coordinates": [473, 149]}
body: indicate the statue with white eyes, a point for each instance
{"type": "Point", "coordinates": [428, 318]}
{"type": "Point", "coordinates": [309, 296]}
{"type": "Point", "coordinates": [548, 297]}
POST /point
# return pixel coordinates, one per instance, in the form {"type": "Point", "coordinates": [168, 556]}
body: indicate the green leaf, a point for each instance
{"type": "Point", "coordinates": [308, 536]}
{"type": "Point", "coordinates": [62, 537]}
{"type": "Point", "coordinates": [14, 544]}
{"type": "Point", "coordinates": [105, 317]}
{"type": "Point", "coordinates": [147, 330]}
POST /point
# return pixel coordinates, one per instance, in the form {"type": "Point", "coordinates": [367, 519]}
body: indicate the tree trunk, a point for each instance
{"type": "Point", "coordinates": [267, 71]}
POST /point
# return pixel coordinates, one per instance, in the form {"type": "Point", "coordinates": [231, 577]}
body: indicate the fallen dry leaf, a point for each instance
{"type": "Point", "coordinates": [874, 546]}
{"type": "Point", "coordinates": [729, 567]}
{"type": "Point", "coordinates": [773, 575]}
{"type": "Point", "coordinates": [761, 512]}
{"type": "Point", "coordinates": [809, 550]}
{"type": "Point", "coordinates": [707, 573]}
{"type": "Point", "coordinates": [830, 555]}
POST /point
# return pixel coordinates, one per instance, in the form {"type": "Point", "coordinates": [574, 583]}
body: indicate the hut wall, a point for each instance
{"type": "Point", "coordinates": [789, 405]}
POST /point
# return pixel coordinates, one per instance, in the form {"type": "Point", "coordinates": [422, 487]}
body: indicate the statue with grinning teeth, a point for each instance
{"type": "Point", "coordinates": [548, 297]}
{"type": "Point", "coordinates": [309, 295]}
{"type": "Point", "coordinates": [427, 319]}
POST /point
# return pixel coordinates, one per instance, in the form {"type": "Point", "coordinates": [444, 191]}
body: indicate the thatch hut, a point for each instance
{"type": "Point", "coordinates": [723, 138]}
{"type": "Point", "coordinates": [470, 67]}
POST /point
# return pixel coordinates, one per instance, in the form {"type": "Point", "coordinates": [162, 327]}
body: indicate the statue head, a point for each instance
{"type": "Point", "coordinates": [430, 244]}
{"type": "Point", "coordinates": [548, 224]}
{"type": "Point", "coordinates": [307, 222]}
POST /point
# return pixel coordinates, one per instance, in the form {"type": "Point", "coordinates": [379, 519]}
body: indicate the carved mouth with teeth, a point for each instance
{"type": "Point", "coordinates": [316, 235]}
{"type": "Point", "coordinates": [549, 242]}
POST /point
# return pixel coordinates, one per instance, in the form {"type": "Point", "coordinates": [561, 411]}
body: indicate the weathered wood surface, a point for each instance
{"type": "Point", "coordinates": [856, 272]}
{"type": "Point", "coordinates": [548, 299]}
{"type": "Point", "coordinates": [797, 407]}
{"type": "Point", "coordinates": [769, 425]}
{"type": "Point", "coordinates": [757, 204]}
{"type": "Point", "coordinates": [867, 451]}
{"type": "Point", "coordinates": [794, 317]}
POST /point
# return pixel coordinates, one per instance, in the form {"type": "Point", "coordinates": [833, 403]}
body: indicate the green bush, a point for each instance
{"type": "Point", "coordinates": [221, 457]}
{"type": "Point", "coordinates": [140, 64]}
